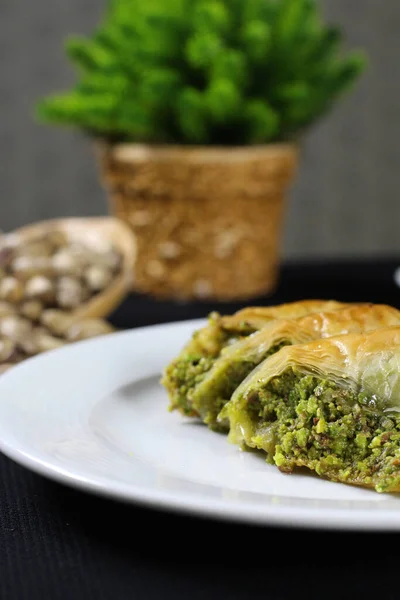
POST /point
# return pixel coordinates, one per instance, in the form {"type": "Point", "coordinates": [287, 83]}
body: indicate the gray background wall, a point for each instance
{"type": "Point", "coordinates": [346, 197]}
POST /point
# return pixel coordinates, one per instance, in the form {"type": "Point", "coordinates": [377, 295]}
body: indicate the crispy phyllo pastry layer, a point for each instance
{"type": "Point", "coordinates": [213, 387]}
{"type": "Point", "coordinates": [332, 406]}
{"type": "Point", "coordinates": [199, 355]}
{"type": "Point", "coordinates": [236, 361]}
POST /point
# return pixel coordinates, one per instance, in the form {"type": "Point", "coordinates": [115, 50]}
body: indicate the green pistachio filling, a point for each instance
{"type": "Point", "coordinates": [210, 397]}
{"type": "Point", "coordinates": [303, 421]}
{"type": "Point", "coordinates": [190, 368]}
{"type": "Point", "coordinates": [181, 377]}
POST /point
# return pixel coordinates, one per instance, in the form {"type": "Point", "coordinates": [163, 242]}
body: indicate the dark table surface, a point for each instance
{"type": "Point", "coordinates": [58, 543]}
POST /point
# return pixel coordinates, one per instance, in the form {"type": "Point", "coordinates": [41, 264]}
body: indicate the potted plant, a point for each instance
{"type": "Point", "coordinates": [197, 109]}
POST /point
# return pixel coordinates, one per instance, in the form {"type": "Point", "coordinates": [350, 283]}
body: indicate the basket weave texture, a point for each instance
{"type": "Point", "coordinates": [207, 221]}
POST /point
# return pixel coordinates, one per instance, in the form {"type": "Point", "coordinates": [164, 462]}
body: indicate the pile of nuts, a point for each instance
{"type": "Point", "coordinates": [43, 280]}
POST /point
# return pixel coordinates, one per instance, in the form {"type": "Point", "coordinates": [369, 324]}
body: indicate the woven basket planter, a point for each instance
{"type": "Point", "coordinates": [207, 221]}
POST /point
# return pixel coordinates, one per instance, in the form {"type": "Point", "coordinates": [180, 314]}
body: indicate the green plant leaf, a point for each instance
{"type": "Point", "coordinates": [232, 65]}
{"type": "Point", "coordinates": [96, 83]}
{"type": "Point", "coordinates": [292, 14]}
{"type": "Point", "coordinates": [159, 87]}
{"type": "Point", "coordinates": [223, 100]}
{"type": "Point", "coordinates": [256, 40]}
{"type": "Point", "coordinates": [202, 49]}
{"type": "Point", "coordinates": [135, 122]}
{"type": "Point", "coordinates": [192, 116]}
{"type": "Point", "coordinates": [347, 72]}
{"type": "Point", "coordinates": [205, 71]}
{"type": "Point", "coordinates": [257, 10]}
{"type": "Point", "coordinates": [89, 55]}
{"type": "Point", "coordinates": [294, 92]}
{"type": "Point", "coordinates": [94, 112]}
{"type": "Point", "coordinates": [211, 16]}
{"type": "Point", "coordinates": [326, 45]}
{"type": "Point", "coordinates": [262, 122]}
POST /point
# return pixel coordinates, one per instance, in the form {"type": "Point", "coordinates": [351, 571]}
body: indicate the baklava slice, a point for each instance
{"type": "Point", "coordinates": [188, 369]}
{"type": "Point", "coordinates": [331, 406]}
{"type": "Point", "coordinates": [236, 361]}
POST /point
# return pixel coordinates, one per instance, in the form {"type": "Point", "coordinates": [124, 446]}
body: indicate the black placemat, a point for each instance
{"type": "Point", "coordinates": [58, 543]}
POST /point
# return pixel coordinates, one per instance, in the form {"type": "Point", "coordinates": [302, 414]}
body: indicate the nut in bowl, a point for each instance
{"type": "Point", "coordinates": [59, 279]}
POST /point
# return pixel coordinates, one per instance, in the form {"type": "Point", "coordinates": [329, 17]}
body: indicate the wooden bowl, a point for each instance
{"type": "Point", "coordinates": [113, 230]}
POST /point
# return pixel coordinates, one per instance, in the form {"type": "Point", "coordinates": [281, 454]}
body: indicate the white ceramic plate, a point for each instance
{"type": "Point", "coordinates": [94, 416]}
